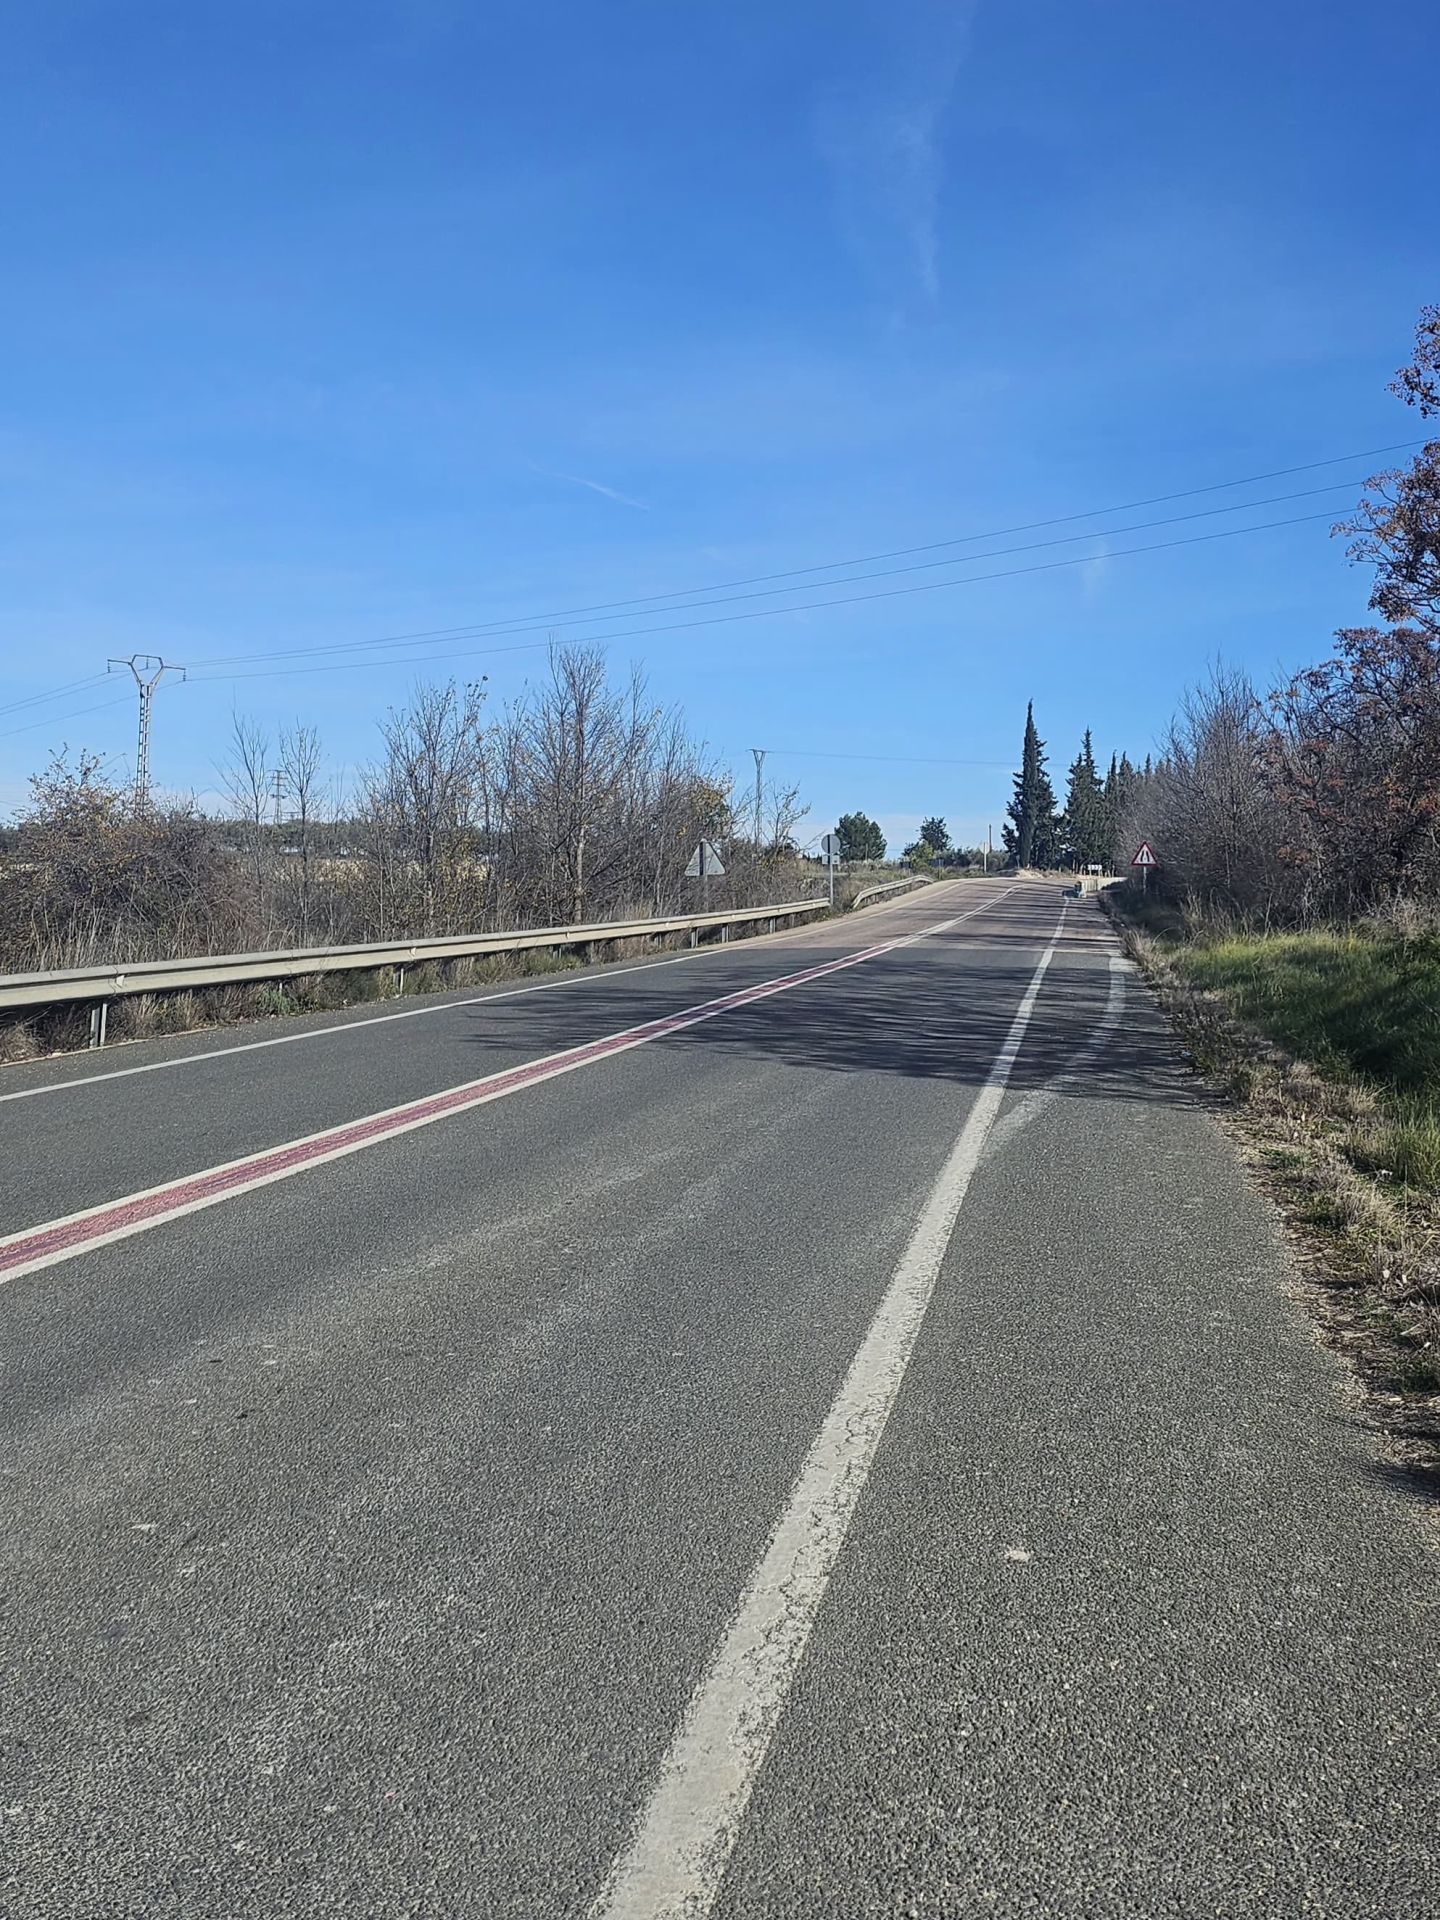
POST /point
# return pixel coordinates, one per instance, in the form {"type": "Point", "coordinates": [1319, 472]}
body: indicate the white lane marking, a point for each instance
{"type": "Point", "coordinates": [578, 975]}
{"type": "Point", "coordinates": [53, 1241]}
{"type": "Point", "coordinates": [673, 1863]}
{"type": "Point", "coordinates": [1071, 1075]}
{"type": "Point", "coordinates": [341, 1027]}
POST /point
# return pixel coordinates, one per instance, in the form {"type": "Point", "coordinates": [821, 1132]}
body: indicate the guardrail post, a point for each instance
{"type": "Point", "coordinates": [400, 978]}
{"type": "Point", "coordinates": [694, 936]}
{"type": "Point", "coordinates": [99, 1016]}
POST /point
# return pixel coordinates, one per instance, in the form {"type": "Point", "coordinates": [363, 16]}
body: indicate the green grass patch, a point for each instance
{"type": "Point", "coordinates": [1350, 1002]}
{"type": "Point", "coordinates": [1358, 1007]}
{"type": "Point", "coordinates": [1418, 1373]}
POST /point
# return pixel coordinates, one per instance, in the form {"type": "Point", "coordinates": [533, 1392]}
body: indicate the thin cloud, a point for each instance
{"type": "Point", "coordinates": [596, 486]}
{"type": "Point", "coordinates": [1093, 572]}
{"type": "Point", "coordinates": [882, 142]}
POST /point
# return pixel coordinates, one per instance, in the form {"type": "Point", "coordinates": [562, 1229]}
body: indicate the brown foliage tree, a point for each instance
{"type": "Point", "coordinates": [1354, 763]}
{"type": "Point", "coordinates": [1396, 527]}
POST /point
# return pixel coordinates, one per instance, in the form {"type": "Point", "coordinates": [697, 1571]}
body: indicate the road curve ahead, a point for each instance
{"type": "Point", "coordinates": [811, 1428]}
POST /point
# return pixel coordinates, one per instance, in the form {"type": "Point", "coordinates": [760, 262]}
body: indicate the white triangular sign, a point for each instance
{"type": "Point", "coordinates": [704, 862]}
{"type": "Point", "coordinates": [1145, 856]}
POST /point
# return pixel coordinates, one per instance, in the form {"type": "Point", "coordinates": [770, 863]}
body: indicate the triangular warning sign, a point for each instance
{"type": "Point", "coordinates": [704, 862]}
{"type": "Point", "coordinates": [1144, 856]}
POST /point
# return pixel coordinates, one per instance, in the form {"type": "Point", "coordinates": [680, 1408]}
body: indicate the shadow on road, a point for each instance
{"type": "Point", "coordinates": [941, 1011]}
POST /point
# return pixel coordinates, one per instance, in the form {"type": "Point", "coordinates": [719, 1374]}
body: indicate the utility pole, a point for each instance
{"type": "Point", "coordinates": [759, 753]}
{"type": "Point", "coordinates": [279, 782]}
{"type": "Point", "coordinates": [989, 849]}
{"type": "Point", "coordinates": [148, 670]}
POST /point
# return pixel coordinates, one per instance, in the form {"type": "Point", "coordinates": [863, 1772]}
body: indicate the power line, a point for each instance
{"type": "Point", "coordinates": [770, 613]}
{"type": "Point", "coordinates": [476, 628]}
{"type": "Point", "coordinates": [59, 719]}
{"type": "Point", "coordinates": [55, 693]}
{"type": "Point", "coordinates": [885, 759]}
{"type": "Point", "coordinates": [481, 628]}
{"type": "Point", "coordinates": [1001, 533]}
{"type": "Point", "coordinates": [1033, 546]}
{"type": "Point", "coordinates": [519, 623]}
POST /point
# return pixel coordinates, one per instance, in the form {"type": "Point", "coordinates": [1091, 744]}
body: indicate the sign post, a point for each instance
{"type": "Point", "coordinates": [703, 862]}
{"type": "Point", "coordinates": [830, 847]}
{"type": "Point", "coordinates": [1144, 858]}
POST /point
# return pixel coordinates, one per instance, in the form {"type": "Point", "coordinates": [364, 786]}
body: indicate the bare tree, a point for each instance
{"type": "Point", "coordinates": [1207, 806]}
{"type": "Point", "coordinates": [582, 801]}
{"type": "Point", "coordinates": [422, 807]}
{"type": "Point", "coordinates": [299, 766]}
{"type": "Point", "coordinates": [247, 776]}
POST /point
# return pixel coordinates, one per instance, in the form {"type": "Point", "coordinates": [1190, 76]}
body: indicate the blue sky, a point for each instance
{"type": "Point", "coordinates": [327, 322]}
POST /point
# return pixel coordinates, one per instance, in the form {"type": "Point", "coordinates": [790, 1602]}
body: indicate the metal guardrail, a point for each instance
{"type": "Point", "coordinates": [99, 985]}
{"type": "Point", "coordinates": [892, 886]}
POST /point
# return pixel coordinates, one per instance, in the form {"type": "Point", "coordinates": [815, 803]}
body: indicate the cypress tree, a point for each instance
{"type": "Point", "coordinates": [1031, 832]}
{"type": "Point", "coordinates": [1110, 794]}
{"type": "Point", "coordinates": [1120, 784]}
{"type": "Point", "coordinates": [1085, 836]}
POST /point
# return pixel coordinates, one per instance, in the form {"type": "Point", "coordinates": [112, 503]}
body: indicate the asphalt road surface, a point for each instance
{"type": "Point", "coordinates": [812, 1428]}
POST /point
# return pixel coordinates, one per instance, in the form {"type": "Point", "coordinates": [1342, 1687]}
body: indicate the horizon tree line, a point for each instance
{"type": "Point", "coordinates": [1088, 829]}
{"type": "Point", "coordinates": [1319, 799]}
{"type": "Point", "coordinates": [581, 800]}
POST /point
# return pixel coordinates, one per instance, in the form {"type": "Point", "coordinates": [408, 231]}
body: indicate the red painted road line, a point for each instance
{"type": "Point", "coordinates": [57, 1240]}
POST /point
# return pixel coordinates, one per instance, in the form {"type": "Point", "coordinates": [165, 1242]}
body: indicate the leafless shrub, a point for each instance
{"type": "Point", "coordinates": [18, 1041]}
{"type": "Point", "coordinates": [89, 878]}
{"type": "Point", "coordinates": [583, 800]}
{"type": "Point", "coordinates": [1207, 805]}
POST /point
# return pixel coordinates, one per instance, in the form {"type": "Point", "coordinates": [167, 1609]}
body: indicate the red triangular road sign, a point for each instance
{"type": "Point", "coordinates": [1144, 856]}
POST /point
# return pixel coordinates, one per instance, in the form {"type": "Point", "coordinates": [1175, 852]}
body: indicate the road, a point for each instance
{"type": "Point", "coordinates": [835, 1447]}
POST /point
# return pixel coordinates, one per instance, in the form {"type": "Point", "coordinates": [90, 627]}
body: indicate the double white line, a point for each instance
{"type": "Point", "coordinates": [63, 1239]}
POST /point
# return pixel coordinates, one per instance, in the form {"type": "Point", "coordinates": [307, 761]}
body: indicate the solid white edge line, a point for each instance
{"type": "Point", "coordinates": [672, 1865]}
{"type": "Point", "coordinates": [562, 1062]}
{"type": "Point", "coordinates": [575, 977]}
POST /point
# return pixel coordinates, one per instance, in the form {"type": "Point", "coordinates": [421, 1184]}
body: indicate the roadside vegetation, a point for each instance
{"type": "Point", "coordinates": [581, 801]}
{"type": "Point", "coordinates": [1324, 1044]}
{"type": "Point", "coordinates": [1293, 930]}
{"type": "Point", "coordinates": [1362, 1006]}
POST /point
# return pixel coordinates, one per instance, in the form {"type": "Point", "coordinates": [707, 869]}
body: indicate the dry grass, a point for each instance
{"type": "Point", "coordinates": [18, 1042]}
{"type": "Point", "coordinates": [1365, 1217]}
{"type": "Point", "coordinates": [148, 1015]}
